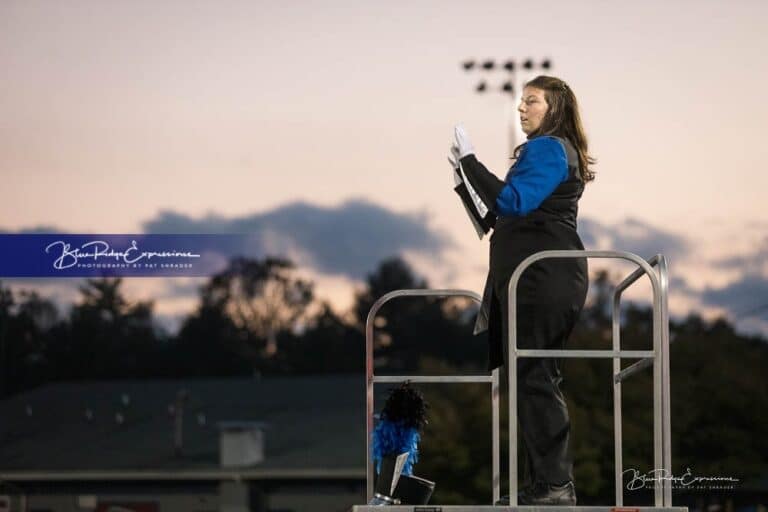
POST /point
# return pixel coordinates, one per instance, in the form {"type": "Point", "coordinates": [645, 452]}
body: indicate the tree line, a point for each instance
{"type": "Point", "coordinates": [258, 316]}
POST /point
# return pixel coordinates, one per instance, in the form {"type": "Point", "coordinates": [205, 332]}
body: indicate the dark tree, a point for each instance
{"type": "Point", "coordinates": [106, 336]}
{"type": "Point", "coordinates": [244, 311]}
{"type": "Point", "coordinates": [391, 274]}
{"type": "Point", "coordinates": [263, 297]}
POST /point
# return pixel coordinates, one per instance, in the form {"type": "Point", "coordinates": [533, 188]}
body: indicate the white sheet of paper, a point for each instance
{"type": "Point", "coordinates": [399, 464]}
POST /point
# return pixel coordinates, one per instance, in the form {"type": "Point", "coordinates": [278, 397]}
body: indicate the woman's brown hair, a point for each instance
{"type": "Point", "coordinates": [562, 120]}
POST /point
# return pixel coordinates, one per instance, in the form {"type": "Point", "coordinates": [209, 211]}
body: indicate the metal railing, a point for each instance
{"type": "Point", "coordinates": [658, 358]}
{"type": "Point", "coordinates": [371, 379]}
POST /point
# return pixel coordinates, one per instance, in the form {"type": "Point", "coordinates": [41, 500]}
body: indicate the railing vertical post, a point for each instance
{"type": "Point", "coordinates": [495, 443]}
{"type": "Point", "coordinates": [512, 419]}
{"type": "Point", "coordinates": [617, 418]}
{"type": "Point", "coordinates": [369, 401]}
{"type": "Point", "coordinates": [665, 391]}
{"type": "Point", "coordinates": [657, 393]}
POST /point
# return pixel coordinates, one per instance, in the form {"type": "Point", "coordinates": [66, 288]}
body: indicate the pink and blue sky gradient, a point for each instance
{"type": "Point", "coordinates": [122, 117]}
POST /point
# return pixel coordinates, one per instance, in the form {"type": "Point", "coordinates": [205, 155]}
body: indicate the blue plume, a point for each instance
{"type": "Point", "coordinates": [394, 438]}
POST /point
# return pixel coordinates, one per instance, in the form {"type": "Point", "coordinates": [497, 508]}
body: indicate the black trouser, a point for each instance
{"type": "Point", "coordinates": [541, 408]}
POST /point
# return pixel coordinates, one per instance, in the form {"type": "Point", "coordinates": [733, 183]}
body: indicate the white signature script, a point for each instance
{"type": "Point", "coordinates": [657, 475]}
{"type": "Point", "coordinates": [100, 249]}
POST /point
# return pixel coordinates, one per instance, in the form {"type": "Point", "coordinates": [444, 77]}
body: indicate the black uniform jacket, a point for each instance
{"type": "Point", "coordinates": [556, 284]}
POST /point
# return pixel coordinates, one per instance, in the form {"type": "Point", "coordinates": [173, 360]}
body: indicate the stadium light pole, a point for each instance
{"type": "Point", "coordinates": [514, 73]}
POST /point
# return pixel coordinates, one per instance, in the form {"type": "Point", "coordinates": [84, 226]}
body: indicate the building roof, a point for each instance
{"type": "Point", "coordinates": [312, 424]}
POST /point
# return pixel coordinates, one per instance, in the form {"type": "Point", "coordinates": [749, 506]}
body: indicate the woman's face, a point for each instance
{"type": "Point", "coordinates": [533, 106]}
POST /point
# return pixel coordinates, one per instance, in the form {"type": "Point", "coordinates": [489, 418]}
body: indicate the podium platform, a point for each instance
{"type": "Point", "coordinates": [521, 508]}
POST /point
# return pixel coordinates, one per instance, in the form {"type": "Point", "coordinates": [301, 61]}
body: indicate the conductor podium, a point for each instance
{"type": "Point", "coordinates": [657, 358]}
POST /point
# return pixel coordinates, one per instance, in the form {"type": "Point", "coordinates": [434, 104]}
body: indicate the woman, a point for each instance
{"type": "Point", "coordinates": [534, 209]}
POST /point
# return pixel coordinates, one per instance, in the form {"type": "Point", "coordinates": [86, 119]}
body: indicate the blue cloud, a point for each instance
{"type": "Point", "coordinates": [745, 298]}
{"type": "Point", "coordinates": [349, 239]}
{"type": "Point", "coordinates": [635, 236]}
{"type": "Point", "coordinates": [751, 263]}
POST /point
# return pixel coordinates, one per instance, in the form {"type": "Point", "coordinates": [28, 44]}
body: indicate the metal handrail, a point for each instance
{"type": "Point", "coordinates": [371, 379]}
{"type": "Point", "coordinates": [658, 356]}
{"type": "Point", "coordinates": [620, 375]}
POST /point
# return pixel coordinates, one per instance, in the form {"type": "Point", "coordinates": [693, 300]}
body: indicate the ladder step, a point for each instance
{"type": "Point", "coordinates": [395, 379]}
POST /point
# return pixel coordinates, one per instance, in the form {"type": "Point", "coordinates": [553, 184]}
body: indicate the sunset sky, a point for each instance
{"type": "Point", "coordinates": [326, 125]}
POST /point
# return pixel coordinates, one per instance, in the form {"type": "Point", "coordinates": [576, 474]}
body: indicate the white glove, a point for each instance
{"type": "Point", "coordinates": [455, 153]}
{"type": "Point", "coordinates": [462, 143]}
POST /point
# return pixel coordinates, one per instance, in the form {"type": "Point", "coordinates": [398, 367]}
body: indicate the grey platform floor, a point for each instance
{"type": "Point", "coordinates": [490, 508]}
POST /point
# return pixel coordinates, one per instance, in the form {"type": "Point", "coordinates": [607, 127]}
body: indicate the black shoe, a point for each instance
{"type": "Point", "coordinates": [543, 493]}
{"type": "Point", "coordinates": [504, 500]}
